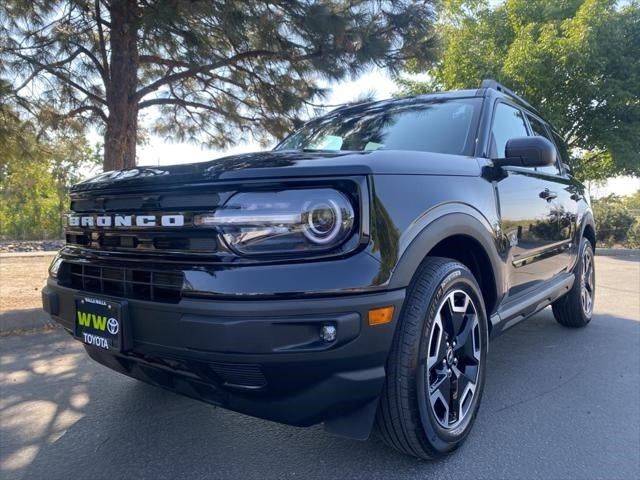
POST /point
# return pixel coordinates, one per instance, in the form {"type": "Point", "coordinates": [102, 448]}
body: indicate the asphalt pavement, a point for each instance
{"type": "Point", "coordinates": [558, 403]}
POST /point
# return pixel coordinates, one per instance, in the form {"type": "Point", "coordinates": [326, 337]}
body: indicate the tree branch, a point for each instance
{"type": "Point", "coordinates": [222, 63]}
{"type": "Point", "coordinates": [68, 81]}
{"type": "Point", "coordinates": [176, 101]}
{"type": "Point", "coordinates": [164, 61]}
{"type": "Point", "coordinates": [185, 103]}
{"type": "Point", "coordinates": [101, 42]}
{"type": "Point", "coordinates": [85, 108]}
{"type": "Point", "coordinates": [101, 69]}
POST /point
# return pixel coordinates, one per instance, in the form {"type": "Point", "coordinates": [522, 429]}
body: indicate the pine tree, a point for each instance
{"type": "Point", "coordinates": [214, 70]}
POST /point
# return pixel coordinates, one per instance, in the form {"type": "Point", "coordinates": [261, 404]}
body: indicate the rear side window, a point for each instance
{"type": "Point", "coordinates": [562, 148]}
{"type": "Point", "coordinates": [541, 130]}
{"type": "Point", "coordinates": [508, 123]}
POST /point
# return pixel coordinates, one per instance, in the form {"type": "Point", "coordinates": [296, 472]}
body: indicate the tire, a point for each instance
{"type": "Point", "coordinates": [408, 418]}
{"type": "Point", "coordinates": [575, 309]}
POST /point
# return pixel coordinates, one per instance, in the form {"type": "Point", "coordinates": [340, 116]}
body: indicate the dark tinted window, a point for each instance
{"type": "Point", "coordinates": [508, 123]}
{"type": "Point", "coordinates": [562, 148]}
{"type": "Point", "coordinates": [446, 126]}
{"type": "Point", "coordinates": [541, 130]}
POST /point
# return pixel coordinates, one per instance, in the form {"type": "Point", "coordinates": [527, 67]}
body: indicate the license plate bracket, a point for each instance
{"type": "Point", "coordinates": [101, 322]}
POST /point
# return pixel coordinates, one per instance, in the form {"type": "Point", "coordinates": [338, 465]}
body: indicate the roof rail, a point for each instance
{"type": "Point", "coordinates": [490, 83]}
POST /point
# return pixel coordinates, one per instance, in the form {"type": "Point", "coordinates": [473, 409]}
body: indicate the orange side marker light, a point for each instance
{"type": "Point", "coordinates": [380, 316]}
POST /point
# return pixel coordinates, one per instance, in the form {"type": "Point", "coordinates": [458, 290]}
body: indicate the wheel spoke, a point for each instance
{"type": "Point", "coordinates": [466, 344]}
{"type": "Point", "coordinates": [437, 344]}
{"type": "Point", "coordinates": [466, 388]}
{"type": "Point", "coordinates": [589, 278]}
{"type": "Point", "coordinates": [462, 340]}
{"type": "Point", "coordinates": [458, 303]}
{"type": "Point", "coordinates": [440, 398]}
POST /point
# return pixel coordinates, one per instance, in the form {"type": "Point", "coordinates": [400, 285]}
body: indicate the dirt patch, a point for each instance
{"type": "Point", "coordinates": [21, 279]}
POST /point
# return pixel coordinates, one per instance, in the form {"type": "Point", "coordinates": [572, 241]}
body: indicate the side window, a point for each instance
{"type": "Point", "coordinates": [508, 123]}
{"type": "Point", "coordinates": [539, 129]}
{"type": "Point", "coordinates": [562, 147]}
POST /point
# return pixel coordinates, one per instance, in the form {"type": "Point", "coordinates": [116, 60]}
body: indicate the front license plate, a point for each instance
{"type": "Point", "coordinates": [99, 322]}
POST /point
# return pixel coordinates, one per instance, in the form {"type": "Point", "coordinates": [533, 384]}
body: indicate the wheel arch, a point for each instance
{"type": "Point", "coordinates": [464, 238]}
{"type": "Point", "coordinates": [588, 229]}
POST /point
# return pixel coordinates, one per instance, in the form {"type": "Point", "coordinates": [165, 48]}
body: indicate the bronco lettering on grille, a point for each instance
{"type": "Point", "coordinates": [119, 221]}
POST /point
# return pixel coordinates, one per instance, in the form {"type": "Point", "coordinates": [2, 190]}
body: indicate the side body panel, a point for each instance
{"type": "Point", "coordinates": [412, 213]}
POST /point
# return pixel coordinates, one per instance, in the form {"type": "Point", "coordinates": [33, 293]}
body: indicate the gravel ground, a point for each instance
{"type": "Point", "coordinates": [30, 245]}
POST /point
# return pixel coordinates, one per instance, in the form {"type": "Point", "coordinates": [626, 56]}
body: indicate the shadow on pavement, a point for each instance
{"type": "Point", "coordinates": [558, 403]}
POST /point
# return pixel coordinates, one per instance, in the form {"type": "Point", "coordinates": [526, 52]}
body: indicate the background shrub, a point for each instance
{"type": "Point", "coordinates": [618, 220]}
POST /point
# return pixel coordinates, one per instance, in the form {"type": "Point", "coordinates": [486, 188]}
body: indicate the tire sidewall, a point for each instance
{"type": "Point", "coordinates": [455, 278]}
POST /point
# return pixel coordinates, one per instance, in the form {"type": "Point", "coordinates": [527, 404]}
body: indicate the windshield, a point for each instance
{"type": "Point", "coordinates": [443, 126]}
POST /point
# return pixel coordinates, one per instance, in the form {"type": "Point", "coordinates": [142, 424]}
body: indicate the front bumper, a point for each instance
{"type": "Point", "coordinates": [264, 358]}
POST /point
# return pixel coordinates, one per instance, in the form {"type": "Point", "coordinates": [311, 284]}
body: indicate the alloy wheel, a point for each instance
{"type": "Point", "coordinates": [453, 359]}
{"type": "Point", "coordinates": [587, 282]}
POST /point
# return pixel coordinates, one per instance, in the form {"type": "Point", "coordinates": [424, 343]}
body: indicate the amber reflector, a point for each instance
{"type": "Point", "coordinates": [379, 316]}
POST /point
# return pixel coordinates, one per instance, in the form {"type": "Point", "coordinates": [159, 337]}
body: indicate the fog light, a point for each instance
{"type": "Point", "coordinates": [328, 333]}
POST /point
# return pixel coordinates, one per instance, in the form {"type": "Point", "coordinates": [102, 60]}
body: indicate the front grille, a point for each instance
{"type": "Point", "coordinates": [136, 203]}
{"type": "Point", "coordinates": [157, 286]}
{"type": "Point", "coordinates": [243, 375]}
{"type": "Point", "coordinates": [184, 241]}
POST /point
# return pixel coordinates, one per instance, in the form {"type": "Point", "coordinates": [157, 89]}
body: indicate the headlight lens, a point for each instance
{"type": "Point", "coordinates": [289, 221]}
{"type": "Point", "coordinates": [55, 266]}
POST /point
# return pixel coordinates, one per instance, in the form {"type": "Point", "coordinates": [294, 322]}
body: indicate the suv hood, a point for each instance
{"type": "Point", "coordinates": [288, 164]}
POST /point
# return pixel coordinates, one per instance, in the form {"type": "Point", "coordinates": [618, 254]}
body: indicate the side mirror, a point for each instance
{"type": "Point", "coordinates": [528, 152]}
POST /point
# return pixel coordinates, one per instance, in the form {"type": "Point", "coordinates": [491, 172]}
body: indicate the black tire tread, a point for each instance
{"type": "Point", "coordinates": [397, 421]}
{"type": "Point", "coordinates": [567, 310]}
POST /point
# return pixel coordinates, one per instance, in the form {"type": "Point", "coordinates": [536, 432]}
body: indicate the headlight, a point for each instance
{"type": "Point", "coordinates": [289, 221]}
{"type": "Point", "coordinates": [55, 266]}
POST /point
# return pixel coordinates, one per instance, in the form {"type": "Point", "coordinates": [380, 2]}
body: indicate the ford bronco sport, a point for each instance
{"type": "Point", "coordinates": [352, 276]}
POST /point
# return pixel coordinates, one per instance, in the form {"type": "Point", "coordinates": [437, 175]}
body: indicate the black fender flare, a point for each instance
{"type": "Point", "coordinates": [445, 225]}
{"type": "Point", "coordinates": [587, 220]}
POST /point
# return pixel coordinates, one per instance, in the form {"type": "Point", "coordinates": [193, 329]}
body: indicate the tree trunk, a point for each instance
{"type": "Point", "coordinates": [122, 124]}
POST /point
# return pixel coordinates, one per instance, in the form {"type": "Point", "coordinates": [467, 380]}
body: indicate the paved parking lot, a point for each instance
{"type": "Point", "coordinates": [558, 403]}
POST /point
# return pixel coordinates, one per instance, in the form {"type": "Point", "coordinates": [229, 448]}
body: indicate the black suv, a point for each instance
{"type": "Point", "coordinates": [351, 276]}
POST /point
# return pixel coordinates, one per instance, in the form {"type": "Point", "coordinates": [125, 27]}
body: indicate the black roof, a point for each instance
{"type": "Point", "coordinates": [488, 87]}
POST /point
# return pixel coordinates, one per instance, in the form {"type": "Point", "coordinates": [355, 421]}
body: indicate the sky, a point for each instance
{"type": "Point", "coordinates": [376, 82]}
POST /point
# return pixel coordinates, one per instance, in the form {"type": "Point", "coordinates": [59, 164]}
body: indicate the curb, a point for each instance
{"type": "Point", "coordinates": [39, 253]}
{"type": "Point", "coordinates": [618, 252]}
{"type": "Point", "coordinates": [29, 319]}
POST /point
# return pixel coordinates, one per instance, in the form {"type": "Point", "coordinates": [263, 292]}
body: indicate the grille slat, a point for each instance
{"type": "Point", "coordinates": [184, 241]}
{"type": "Point", "coordinates": [247, 375]}
{"type": "Point", "coordinates": [124, 282]}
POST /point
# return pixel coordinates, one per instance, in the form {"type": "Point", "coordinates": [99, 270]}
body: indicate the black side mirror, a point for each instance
{"type": "Point", "coordinates": [528, 152]}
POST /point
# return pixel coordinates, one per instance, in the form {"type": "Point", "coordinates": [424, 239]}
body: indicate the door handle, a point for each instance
{"type": "Point", "coordinates": [548, 195]}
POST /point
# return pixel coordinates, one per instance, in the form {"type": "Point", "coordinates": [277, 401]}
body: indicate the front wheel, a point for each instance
{"type": "Point", "coordinates": [435, 371]}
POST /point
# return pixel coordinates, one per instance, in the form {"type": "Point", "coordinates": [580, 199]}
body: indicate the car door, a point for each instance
{"type": "Point", "coordinates": [562, 198]}
{"type": "Point", "coordinates": [527, 205]}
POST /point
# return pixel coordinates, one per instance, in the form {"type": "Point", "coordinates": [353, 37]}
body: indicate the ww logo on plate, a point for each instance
{"type": "Point", "coordinates": [98, 322]}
